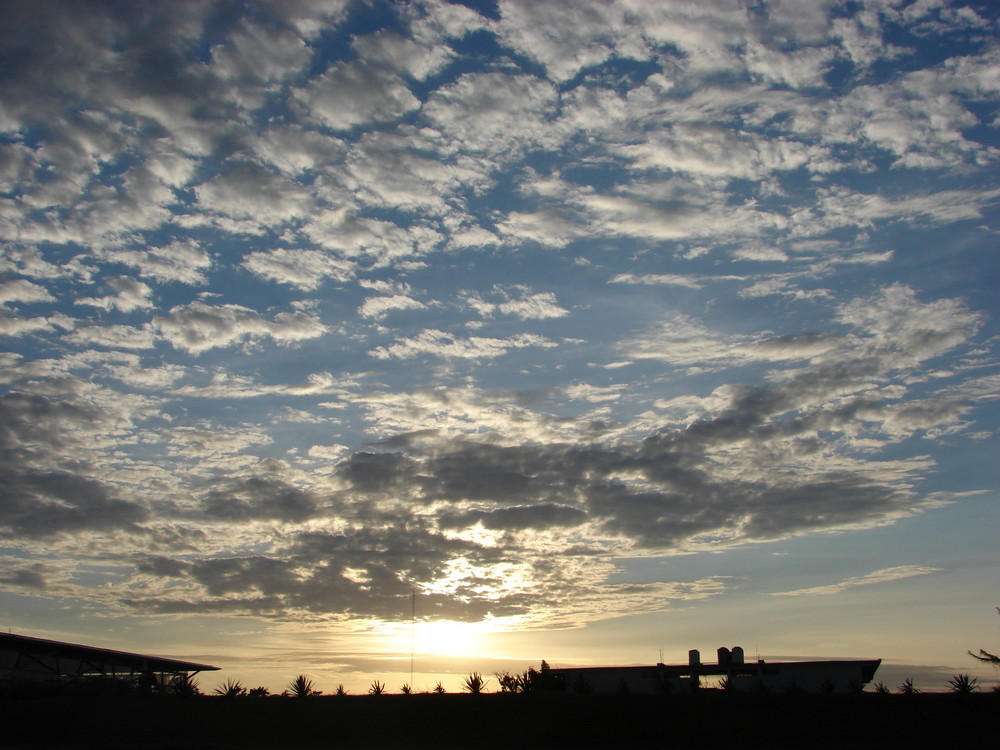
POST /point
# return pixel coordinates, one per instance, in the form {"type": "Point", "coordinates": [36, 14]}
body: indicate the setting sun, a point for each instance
{"type": "Point", "coordinates": [447, 637]}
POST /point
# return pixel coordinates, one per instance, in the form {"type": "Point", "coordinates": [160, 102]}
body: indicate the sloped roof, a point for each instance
{"type": "Point", "coordinates": [137, 662]}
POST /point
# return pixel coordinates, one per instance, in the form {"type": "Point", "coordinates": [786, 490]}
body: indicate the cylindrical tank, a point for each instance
{"type": "Point", "coordinates": [694, 658]}
{"type": "Point", "coordinates": [724, 656]}
{"type": "Point", "coordinates": [737, 654]}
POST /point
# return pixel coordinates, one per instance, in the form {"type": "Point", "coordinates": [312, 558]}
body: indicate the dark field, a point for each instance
{"type": "Point", "coordinates": [513, 722]}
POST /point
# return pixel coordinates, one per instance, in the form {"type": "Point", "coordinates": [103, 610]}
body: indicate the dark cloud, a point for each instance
{"type": "Point", "coordinates": [259, 498]}
{"type": "Point", "coordinates": [37, 505]}
{"type": "Point", "coordinates": [30, 577]}
{"type": "Point", "coordinates": [517, 518]}
{"type": "Point", "coordinates": [366, 572]}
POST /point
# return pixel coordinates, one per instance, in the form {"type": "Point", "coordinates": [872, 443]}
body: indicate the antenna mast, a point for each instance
{"type": "Point", "coordinates": [413, 630]}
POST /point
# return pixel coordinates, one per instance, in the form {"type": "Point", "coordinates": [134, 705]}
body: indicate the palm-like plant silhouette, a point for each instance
{"type": "Point", "coordinates": [184, 686]}
{"type": "Point", "coordinates": [963, 684]}
{"type": "Point", "coordinates": [474, 683]}
{"type": "Point", "coordinates": [301, 687]}
{"type": "Point", "coordinates": [907, 687]}
{"type": "Point", "coordinates": [231, 689]}
{"type": "Point", "coordinates": [377, 688]}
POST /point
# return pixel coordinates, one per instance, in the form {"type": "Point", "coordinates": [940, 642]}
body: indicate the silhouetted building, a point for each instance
{"type": "Point", "coordinates": [38, 665]}
{"type": "Point", "coordinates": [730, 671]}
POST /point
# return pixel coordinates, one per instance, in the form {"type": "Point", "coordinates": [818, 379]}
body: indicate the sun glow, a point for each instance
{"type": "Point", "coordinates": [447, 637]}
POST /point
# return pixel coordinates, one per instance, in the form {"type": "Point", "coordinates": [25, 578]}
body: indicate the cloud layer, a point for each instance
{"type": "Point", "coordinates": [309, 306]}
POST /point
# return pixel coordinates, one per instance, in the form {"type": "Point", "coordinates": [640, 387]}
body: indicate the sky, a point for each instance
{"type": "Point", "coordinates": [396, 341]}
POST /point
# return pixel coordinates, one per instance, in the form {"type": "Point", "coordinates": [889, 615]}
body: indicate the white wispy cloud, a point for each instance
{"type": "Point", "coordinates": [885, 575]}
{"type": "Point", "coordinates": [442, 344]}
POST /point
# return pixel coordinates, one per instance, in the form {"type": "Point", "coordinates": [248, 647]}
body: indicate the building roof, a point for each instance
{"type": "Point", "coordinates": [136, 662]}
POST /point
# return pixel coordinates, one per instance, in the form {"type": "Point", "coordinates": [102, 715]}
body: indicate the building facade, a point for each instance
{"type": "Point", "coordinates": [731, 671]}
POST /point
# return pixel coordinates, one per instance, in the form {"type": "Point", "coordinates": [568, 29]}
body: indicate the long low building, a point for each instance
{"type": "Point", "coordinates": [37, 663]}
{"type": "Point", "coordinates": [731, 671]}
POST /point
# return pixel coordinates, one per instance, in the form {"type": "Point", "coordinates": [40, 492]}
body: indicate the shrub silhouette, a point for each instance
{"type": "Point", "coordinates": [906, 687]}
{"type": "Point", "coordinates": [377, 688]}
{"type": "Point", "coordinates": [259, 692]}
{"type": "Point", "coordinates": [341, 690]}
{"type": "Point", "coordinates": [439, 689]}
{"type": "Point", "coordinates": [406, 690]}
{"type": "Point", "coordinates": [509, 683]}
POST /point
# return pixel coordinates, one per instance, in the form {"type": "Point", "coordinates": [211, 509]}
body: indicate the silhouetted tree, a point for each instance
{"type": "Point", "coordinates": [406, 690]}
{"type": "Point", "coordinates": [542, 680]}
{"type": "Point", "coordinates": [377, 688]}
{"type": "Point", "coordinates": [341, 690]}
{"type": "Point", "coordinates": [439, 689]}
{"type": "Point", "coordinates": [881, 688]}
{"type": "Point", "coordinates": [259, 692]}
{"type": "Point", "coordinates": [986, 656]}
{"type": "Point", "coordinates": [906, 687]}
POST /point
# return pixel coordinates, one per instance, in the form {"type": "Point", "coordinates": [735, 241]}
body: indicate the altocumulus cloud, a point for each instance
{"type": "Point", "coordinates": [309, 306]}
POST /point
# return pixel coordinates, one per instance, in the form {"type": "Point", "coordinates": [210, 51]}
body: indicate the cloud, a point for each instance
{"type": "Point", "coordinates": [40, 505]}
{"type": "Point", "coordinates": [411, 57]}
{"type": "Point", "coordinates": [259, 498]}
{"type": "Point", "coordinates": [356, 93]}
{"type": "Point", "coordinates": [493, 113]}
{"type": "Point", "coordinates": [519, 301]}
{"type": "Point", "coordinates": [293, 149]}
{"type": "Point", "coordinates": [441, 344]}
{"type": "Point", "coordinates": [379, 307]}
{"type": "Point", "coordinates": [518, 518]}
{"type": "Point", "coordinates": [886, 575]}
{"type": "Point", "coordinates": [304, 269]}
{"type": "Point", "coordinates": [456, 183]}
{"type": "Point", "coordinates": [384, 241]}
{"type": "Point", "coordinates": [22, 290]}
{"type": "Point", "coordinates": [533, 306]}
{"type": "Point", "coordinates": [198, 327]}
{"type": "Point", "coordinates": [132, 294]}
{"type": "Point", "coordinates": [113, 337]}
{"type": "Point", "coordinates": [183, 261]}
{"type": "Point", "coordinates": [668, 279]}
{"type": "Point", "coordinates": [225, 385]}
{"type": "Point", "coordinates": [248, 192]}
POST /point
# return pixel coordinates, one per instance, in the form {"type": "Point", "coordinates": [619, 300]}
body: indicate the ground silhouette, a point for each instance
{"type": "Point", "coordinates": [711, 718]}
